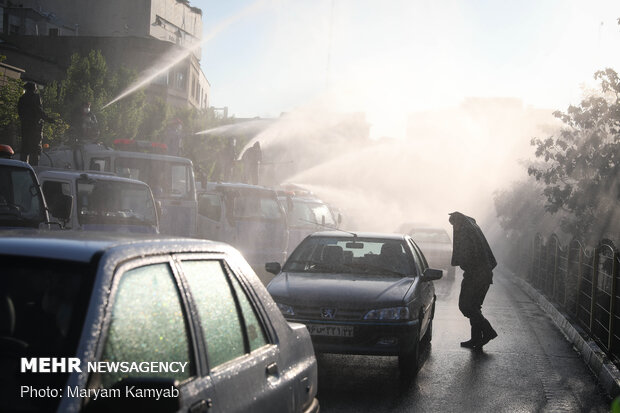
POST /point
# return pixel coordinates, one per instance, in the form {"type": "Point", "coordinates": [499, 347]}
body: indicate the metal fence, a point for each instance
{"type": "Point", "coordinates": [583, 282]}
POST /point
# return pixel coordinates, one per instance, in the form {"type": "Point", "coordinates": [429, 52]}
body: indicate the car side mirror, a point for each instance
{"type": "Point", "coordinates": [129, 387]}
{"type": "Point", "coordinates": [431, 274]}
{"type": "Point", "coordinates": [273, 267]}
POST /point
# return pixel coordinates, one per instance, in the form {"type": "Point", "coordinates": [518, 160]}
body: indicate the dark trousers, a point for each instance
{"type": "Point", "coordinates": [32, 157]}
{"type": "Point", "coordinates": [473, 292]}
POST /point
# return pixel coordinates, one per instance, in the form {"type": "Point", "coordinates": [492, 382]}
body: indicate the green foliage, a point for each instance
{"type": "Point", "coordinates": [580, 167]}
{"type": "Point", "coordinates": [89, 80]}
{"type": "Point", "coordinates": [10, 91]}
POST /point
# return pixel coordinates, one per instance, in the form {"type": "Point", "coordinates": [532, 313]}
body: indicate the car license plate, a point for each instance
{"type": "Point", "coordinates": [330, 330]}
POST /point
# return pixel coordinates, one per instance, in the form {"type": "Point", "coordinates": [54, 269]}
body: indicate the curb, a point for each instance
{"type": "Point", "coordinates": [606, 372]}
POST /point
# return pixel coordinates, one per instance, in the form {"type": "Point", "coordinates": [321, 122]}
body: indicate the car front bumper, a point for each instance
{"type": "Point", "coordinates": [368, 338]}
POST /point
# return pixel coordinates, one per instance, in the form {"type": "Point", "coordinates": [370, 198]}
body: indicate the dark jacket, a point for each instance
{"type": "Point", "coordinates": [470, 249]}
{"type": "Point", "coordinates": [31, 116]}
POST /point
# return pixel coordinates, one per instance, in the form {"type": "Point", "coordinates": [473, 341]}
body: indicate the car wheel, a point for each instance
{"type": "Point", "coordinates": [408, 360]}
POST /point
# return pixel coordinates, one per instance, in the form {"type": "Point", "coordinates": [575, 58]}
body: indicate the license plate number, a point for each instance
{"type": "Point", "coordinates": [329, 330]}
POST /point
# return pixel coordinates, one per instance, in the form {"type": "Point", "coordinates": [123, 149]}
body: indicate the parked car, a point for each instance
{"type": "Point", "coordinates": [359, 294]}
{"type": "Point", "coordinates": [21, 202]}
{"type": "Point", "coordinates": [191, 314]}
{"type": "Point", "coordinates": [436, 245]}
{"type": "Point", "coordinates": [249, 218]}
{"type": "Point", "coordinates": [171, 178]}
{"type": "Point", "coordinates": [306, 215]}
{"type": "Point", "coordinates": [98, 201]}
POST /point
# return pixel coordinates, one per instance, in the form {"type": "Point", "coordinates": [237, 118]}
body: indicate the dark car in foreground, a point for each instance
{"type": "Point", "coordinates": [359, 293]}
{"type": "Point", "coordinates": [93, 322]}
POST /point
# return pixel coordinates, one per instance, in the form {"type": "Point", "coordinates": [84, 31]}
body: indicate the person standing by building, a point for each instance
{"type": "Point", "coordinates": [174, 137]}
{"type": "Point", "coordinates": [472, 253]}
{"type": "Point", "coordinates": [252, 158]}
{"type": "Point", "coordinates": [229, 155]}
{"type": "Point", "coordinates": [88, 122]}
{"type": "Point", "coordinates": [31, 116]}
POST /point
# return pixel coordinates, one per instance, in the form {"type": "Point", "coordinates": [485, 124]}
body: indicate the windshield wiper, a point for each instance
{"type": "Point", "coordinates": [319, 265]}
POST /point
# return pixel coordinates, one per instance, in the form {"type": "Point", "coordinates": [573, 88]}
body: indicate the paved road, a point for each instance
{"type": "Point", "coordinates": [530, 367]}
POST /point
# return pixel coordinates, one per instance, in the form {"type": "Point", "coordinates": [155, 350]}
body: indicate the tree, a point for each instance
{"type": "Point", "coordinates": [10, 91]}
{"type": "Point", "coordinates": [580, 166]}
{"type": "Point", "coordinates": [88, 79]}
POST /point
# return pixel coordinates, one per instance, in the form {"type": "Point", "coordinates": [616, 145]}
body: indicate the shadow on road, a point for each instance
{"type": "Point", "coordinates": [364, 383]}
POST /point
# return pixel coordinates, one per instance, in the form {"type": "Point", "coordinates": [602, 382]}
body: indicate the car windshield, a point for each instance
{"type": "Point", "coordinates": [166, 179]}
{"type": "Point", "coordinates": [254, 204]}
{"type": "Point", "coordinates": [305, 213]}
{"type": "Point", "coordinates": [47, 301]}
{"type": "Point", "coordinates": [430, 236]}
{"type": "Point", "coordinates": [348, 255]}
{"type": "Point", "coordinates": [114, 202]}
{"type": "Point", "coordinates": [20, 198]}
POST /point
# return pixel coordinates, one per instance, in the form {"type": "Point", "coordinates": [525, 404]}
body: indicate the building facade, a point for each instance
{"type": "Point", "coordinates": [41, 35]}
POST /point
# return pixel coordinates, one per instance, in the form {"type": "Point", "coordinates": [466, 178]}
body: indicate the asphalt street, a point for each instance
{"type": "Point", "coordinates": [530, 367]}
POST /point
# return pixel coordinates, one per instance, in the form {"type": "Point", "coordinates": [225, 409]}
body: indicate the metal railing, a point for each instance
{"type": "Point", "coordinates": [583, 282]}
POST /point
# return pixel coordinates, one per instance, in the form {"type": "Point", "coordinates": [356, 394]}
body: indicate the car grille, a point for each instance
{"type": "Point", "coordinates": [314, 313]}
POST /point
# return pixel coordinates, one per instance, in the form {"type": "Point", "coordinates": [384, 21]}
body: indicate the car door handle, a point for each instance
{"type": "Point", "coordinates": [272, 369]}
{"type": "Point", "coordinates": [201, 406]}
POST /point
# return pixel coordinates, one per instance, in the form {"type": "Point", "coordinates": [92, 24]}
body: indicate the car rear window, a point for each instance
{"type": "Point", "coordinates": [43, 303]}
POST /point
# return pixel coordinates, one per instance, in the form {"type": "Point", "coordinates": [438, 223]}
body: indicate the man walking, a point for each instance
{"type": "Point", "coordinates": [31, 116]}
{"type": "Point", "coordinates": [472, 253]}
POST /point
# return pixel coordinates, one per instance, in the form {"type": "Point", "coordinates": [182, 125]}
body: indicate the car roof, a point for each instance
{"type": "Point", "coordinates": [71, 174]}
{"type": "Point", "coordinates": [82, 246]}
{"type": "Point", "coordinates": [342, 234]}
{"type": "Point", "coordinates": [214, 186]}
{"type": "Point", "coordinates": [15, 163]}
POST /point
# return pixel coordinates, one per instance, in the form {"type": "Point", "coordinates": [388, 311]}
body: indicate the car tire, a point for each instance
{"type": "Point", "coordinates": [408, 360]}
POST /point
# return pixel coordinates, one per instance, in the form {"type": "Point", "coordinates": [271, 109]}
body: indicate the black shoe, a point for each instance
{"type": "Point", "coordinates": [486, 337]}
{"type": "Point", "coordinates": [470, 343]}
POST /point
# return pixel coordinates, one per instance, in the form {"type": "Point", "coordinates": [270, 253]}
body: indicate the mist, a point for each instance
{"type": "Point", "coordinates": [448, 160]}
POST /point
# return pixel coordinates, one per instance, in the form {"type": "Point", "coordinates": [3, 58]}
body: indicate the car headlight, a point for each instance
{"type": "Point", "coordinates": [392, 313]}
{"type": "Point", "coordinates": [286, 309]}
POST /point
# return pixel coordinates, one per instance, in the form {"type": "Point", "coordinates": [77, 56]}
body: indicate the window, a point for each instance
{"type": "Point", "coordinates": [166, 179]}
{"type": "Point", "coordinates": [113, 202]}
{"type": "Point", "coordinates": [209, 205]}
{"type": "Point", "coordinates": [225, 312]}
{"type": "Point", "coordinates": [54, 191]}
{"type": "Point", "coordinates": [253, 204]}
{"type": "Point", "coordinates": [147, 324]}
{"type": "Point", "coordinates": [99, 164]}
{"type": "Point", "coordinates": [49, 300]}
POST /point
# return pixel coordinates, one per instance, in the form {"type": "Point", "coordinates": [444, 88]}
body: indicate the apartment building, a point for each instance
{"type": "Point", "coordinates": [41, 35]}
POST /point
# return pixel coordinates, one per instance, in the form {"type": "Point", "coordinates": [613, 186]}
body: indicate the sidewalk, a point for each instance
{"type": "Point", "coordinates": [605, 371]}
